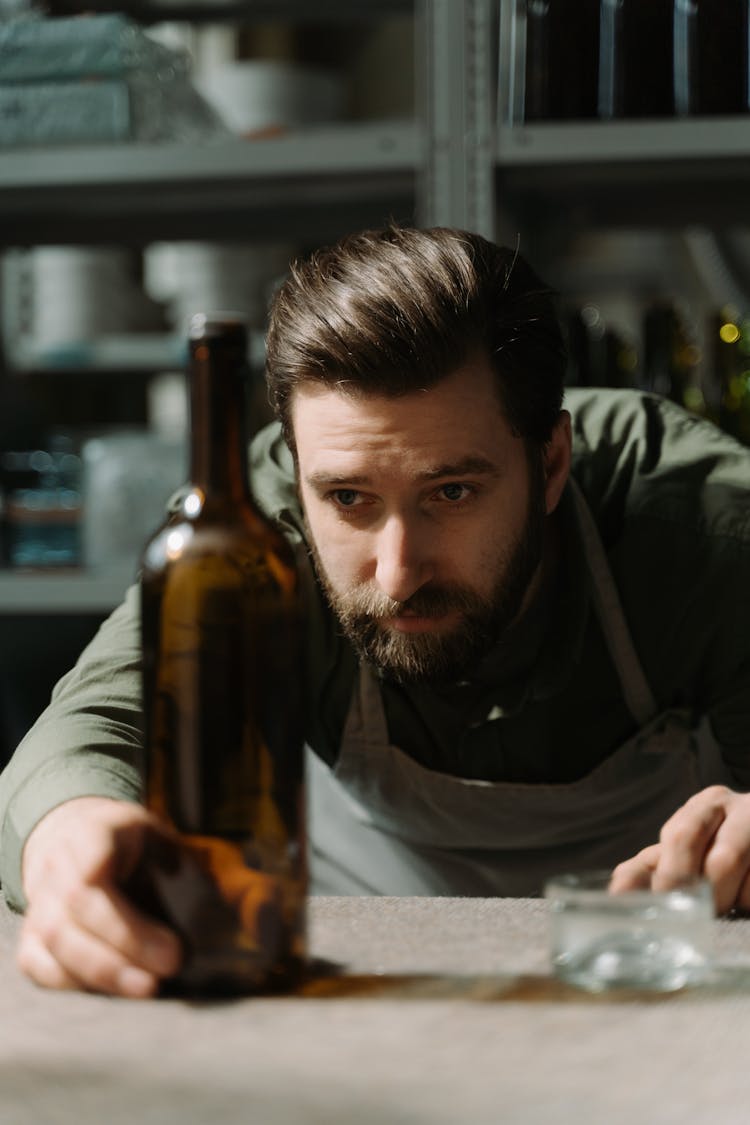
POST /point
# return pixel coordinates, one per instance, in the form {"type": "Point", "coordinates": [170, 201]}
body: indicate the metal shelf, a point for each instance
{"type": "Point", "coordinates": [74, 592]}
{"type": "Point", "coordinates": [150, 11]}
{"type": "Point", "coordinates": [666, 172]}
{"type": "Point", "coordinates": [598, 142]}
{"type": "Point", "coordinates": [134, 353]}
{"type": "Point", "coordinates": [292, 185]}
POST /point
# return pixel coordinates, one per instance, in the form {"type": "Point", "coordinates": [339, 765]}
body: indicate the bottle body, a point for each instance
{"type": "Point", "coordinates": [711, 56]}
{"type": "Point", "coordinates": [561, 58]}
{"type": "Point", "coordinates": [222, 638]}
{"type": "Point", "coordinates": [635, 58]}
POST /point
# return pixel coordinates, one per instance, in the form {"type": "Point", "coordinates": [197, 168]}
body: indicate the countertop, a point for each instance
{"type": "Point", "coordinates": [444, 1012]}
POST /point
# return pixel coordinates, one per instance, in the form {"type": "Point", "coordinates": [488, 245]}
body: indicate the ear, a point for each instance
{"type": "Point", "coordinates": [556, 461]}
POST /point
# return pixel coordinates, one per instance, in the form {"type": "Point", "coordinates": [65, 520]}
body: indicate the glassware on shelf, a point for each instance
{"type": "Point", "coordinates": [730, 336]}
{"type": "Point", "coordinates": [43, 506]}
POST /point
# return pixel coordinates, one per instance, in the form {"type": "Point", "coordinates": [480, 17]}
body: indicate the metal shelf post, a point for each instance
{"type": "Point", "coordinates": [456, 95]}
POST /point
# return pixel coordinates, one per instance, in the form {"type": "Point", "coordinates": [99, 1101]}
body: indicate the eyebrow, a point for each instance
{"type": "Point", "coordinates": [467, 466]}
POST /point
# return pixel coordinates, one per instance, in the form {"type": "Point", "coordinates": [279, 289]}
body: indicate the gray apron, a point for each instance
{"type": "Point", "coordinates": [381, 823]}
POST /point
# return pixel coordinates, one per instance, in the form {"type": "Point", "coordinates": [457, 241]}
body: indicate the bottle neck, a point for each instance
{"type": "Point", "coordinates": [218, 449]}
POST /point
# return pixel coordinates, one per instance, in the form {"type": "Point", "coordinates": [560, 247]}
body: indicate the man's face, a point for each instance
{"type": "Point", "coordinates": [425, 520]}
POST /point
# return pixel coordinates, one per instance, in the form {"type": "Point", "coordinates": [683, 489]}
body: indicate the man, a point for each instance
{"type": "Point", "coordinates": [514, 669]}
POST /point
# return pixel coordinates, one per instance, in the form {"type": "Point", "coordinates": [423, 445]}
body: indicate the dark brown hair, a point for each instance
{"type": "Point", "coordinates": [396, 310]}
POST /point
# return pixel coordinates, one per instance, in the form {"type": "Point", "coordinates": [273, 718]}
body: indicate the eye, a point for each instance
{"type": "Point", "coordinates": [346, 497]}
{"type": "Point", "coordinates": [454, 492]}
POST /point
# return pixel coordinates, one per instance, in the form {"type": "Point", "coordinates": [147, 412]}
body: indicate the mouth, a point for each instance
{"type": "Point", "coordinates": [409, 622]}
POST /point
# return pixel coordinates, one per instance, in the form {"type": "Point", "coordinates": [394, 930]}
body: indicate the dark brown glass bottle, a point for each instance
{"type": "Point", "coordinates": [635, 58]}
{"type": "Point", "coordinates": [711, 56]}
{"type": "Point", "coordinates": [561, 51]}
{"type": "Point", "coordinates": [222, 636]}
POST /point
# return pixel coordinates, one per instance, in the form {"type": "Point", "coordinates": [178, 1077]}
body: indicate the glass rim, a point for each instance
{"type": "Point", "coordinates": [592, 886]}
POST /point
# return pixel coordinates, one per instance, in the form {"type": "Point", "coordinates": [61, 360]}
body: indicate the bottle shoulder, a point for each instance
{"type": "Point", "coordinates": [219, 545]}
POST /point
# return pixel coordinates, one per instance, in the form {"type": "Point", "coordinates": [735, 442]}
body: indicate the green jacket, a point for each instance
{"type": "Point", "coordinates": [671, 497]}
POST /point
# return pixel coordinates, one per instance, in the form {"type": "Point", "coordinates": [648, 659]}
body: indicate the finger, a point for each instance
{"type": "Point", "coordinates": [80, 959]}
{"type": "Point", "coordinates": [728, 859]}
{"type": "Point", "coordinates": [635, 874]}
{"type": "Point", "coordinates": [35, 961]}
{"type": "Point", "coordinates": [686, 838]}
{"type": "Point", "coordinates": [108, 916]}
{"type": "Point", "coordinates": [742, 897]}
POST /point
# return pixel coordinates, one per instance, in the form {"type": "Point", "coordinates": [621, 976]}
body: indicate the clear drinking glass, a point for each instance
{"type": "Point", "coordinates": [655, 940]}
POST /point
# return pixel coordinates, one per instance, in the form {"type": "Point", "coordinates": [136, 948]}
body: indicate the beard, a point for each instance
{"type": "Point", "coordinates": [441, 656]}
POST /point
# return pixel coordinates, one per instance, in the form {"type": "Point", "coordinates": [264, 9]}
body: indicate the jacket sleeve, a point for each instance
{"type": "Point", "coordinates": [86, 743]}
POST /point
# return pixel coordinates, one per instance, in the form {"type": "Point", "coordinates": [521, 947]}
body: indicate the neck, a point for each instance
{"type": "Point", "coordinates": [218, 452]}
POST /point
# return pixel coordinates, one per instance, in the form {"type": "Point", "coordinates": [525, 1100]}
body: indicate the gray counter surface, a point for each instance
{"type": "Point", "coordinates": [444, 1013]}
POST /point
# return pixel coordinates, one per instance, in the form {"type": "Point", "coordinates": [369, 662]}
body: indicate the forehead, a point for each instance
{"type": "Point", "coordinates": [458, 418]}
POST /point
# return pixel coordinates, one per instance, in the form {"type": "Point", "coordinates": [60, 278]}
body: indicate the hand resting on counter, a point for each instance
{"type": "Point", "coordinates": [709, 835]}
{"type": "Point", "coordinates": [81, 930]}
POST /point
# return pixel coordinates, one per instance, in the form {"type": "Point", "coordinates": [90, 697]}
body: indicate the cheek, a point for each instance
{"type": "Point", "coordinates": [485, 555]}
{"type": "Point", "coordinates": [342, 553]}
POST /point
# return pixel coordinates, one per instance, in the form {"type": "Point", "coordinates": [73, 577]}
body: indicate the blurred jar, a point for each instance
{"type": "Point", "coordinates": [75, 293]}
{"type": "Point", "coordinates": [128, 478]}
{"type": "Point", "coordinates": [195, 277]}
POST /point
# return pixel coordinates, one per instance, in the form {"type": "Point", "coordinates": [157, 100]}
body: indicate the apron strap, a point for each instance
{"type": "Point", "coordinates": [635, 687]}
{"type": "Point", "coordinates": [366, 716]}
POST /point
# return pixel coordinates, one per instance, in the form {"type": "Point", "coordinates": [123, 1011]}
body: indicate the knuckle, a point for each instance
{"type": "Point", "coordinates": [678, 833]}
{"type": "Point", "coordinates": [103, 976]}
{"type": "Point", "coordinates": [76, 897]}
{"type": "Point", "coordinates": [46, 923]}
{"type": "Point", "coordinates": [25, 959]}
{"type": "Point", "coordinates": [724, 859]}
{"type": "Point", "coordinates": [38, 964]}
{"type": "Point", "coordinates": [713, 794]}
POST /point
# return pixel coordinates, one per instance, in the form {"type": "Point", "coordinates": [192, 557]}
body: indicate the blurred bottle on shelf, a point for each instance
{"type": "Point", "coordinates": [598, 354]}
{"type": "Point", "coordinates": [561, 38]}
{"type": "Point", "coordinates": [671, 356]}
{"type": "Point", "coordinates": [711, 56]}
{"type": "Point", "coordinates": [654, 348]}
{"type": "Point", "coordinates": [635, 58]}
{"type": "Point", "coordinates": [616, 59]}
{"type": "Point", "coordinates": [730, 335]}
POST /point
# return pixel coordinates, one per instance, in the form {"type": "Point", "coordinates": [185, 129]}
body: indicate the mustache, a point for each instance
{"type": "Point", "coordinates": [429, 601]}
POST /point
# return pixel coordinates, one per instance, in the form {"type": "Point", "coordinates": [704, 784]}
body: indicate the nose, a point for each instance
{"type": "Point", "coordinates": [403, 558]}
